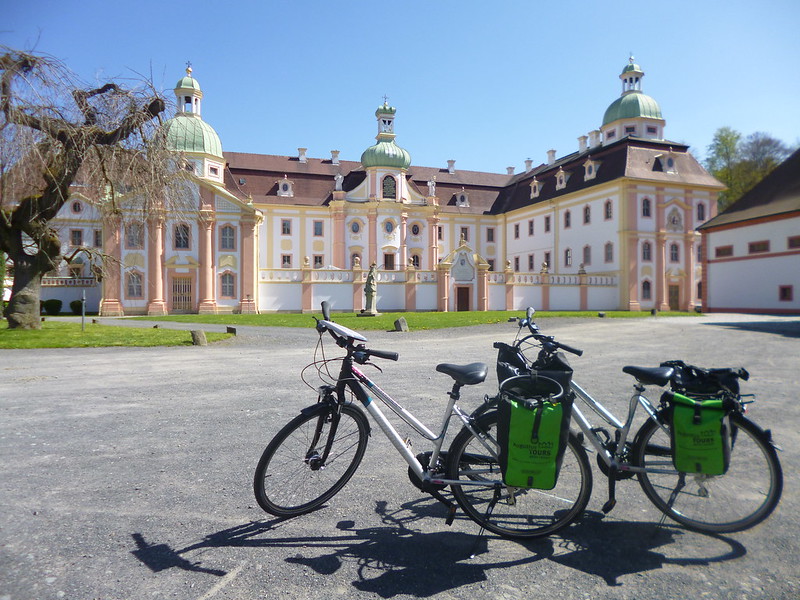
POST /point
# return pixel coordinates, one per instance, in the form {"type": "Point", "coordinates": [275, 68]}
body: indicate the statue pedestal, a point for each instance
{"type": "Point", "coordinates": [368, 313]}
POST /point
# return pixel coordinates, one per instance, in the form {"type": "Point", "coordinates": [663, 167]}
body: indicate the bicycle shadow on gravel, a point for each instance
{"type": "Point", "coordinates": [389, 560]}
{"type": "Point", "coordinates": [613, 549]}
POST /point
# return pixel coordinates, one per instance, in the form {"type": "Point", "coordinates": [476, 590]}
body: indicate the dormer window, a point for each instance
{"type": "Point", "coordinates": [590, 169]}
{"type": "Point", "coordinates": [665, 162]}
{"type": "Point", "coordinates": [630, 130]}
{"type": "Point", "coordinates": [536, 188]}
{"type": "Point", "coordinates": [285, 188]}
{"type": "Point", "coordinates": [462, 199]}
{"type": "Point", "coordinates": [562, 177]}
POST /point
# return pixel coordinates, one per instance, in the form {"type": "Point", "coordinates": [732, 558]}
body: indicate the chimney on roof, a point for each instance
{"type": "Point", "coordinates": [582, 143]}
{"type": "Point", "coordinates": [594, 138]}
{"type": "Point", "coordinates": [528, 165]}
{"type": "Point", "coordinates": [551, 157]}
{"type": "Point", "coordinates": [451, 166]}
{"type": "Point", "coordinates": [301, 155]}
{"type": "Point", "coordinates": [335, 157]}
{"type": "Point", "coordinates": [510, 170]}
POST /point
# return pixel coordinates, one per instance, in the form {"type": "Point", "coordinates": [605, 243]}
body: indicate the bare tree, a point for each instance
{"type": "Point", "coordinates": [56, 133]}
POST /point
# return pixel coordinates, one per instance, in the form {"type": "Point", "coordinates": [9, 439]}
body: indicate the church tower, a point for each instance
{"type": "Point", "coordinates": [634, 113]}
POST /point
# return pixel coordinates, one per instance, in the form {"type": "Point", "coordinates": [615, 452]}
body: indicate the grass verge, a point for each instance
{"type": "Point", "coordinates": [415, 320]}
{"type": "Point", "coordinates": [58, 334]}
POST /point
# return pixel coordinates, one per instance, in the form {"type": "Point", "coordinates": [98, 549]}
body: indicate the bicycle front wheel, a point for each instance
{"type": "Point", "coordinates": [515, 512]}
{"type": "Point", "coordinates": [310, 460]}
{"type": "Point", "coordinates": [744, 496]}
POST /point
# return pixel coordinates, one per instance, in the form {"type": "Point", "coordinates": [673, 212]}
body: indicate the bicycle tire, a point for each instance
{"type": "Point", "coordinates": [290, 480]}
{"type": "Point", "coordinates": [518, 513]}
{"type": "Point", "coordinates": [744, 496]}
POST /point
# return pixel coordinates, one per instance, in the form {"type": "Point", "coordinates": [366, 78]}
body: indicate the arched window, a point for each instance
{"type": "Point", "coordinates": [647, 292]}
{"type": "Point", "coordinates": [587, 255]}
{"type": "Point", "coordinates": [415, 262]}
{"type": "Point", "coordinates": [355, 259]}
{"type": "Point", "coordinates": [227, 238]}
{"type": "Point", "coordinates": [227, 285]}
{"type": "Point", "coordinates": [609, 209]}
{"type": "Point", "coordinates": [701, 212]}
{"type": "Point", "coordinates": [182, 237]}
{"type": "Point", "coordinates": [587, 214]}
{"type": "Point", "coordinates": [134, 236]}
{"type": "Point", "coordinates": [647, 252]}
{"type": "Point", "coordinates": [674, 252]}
{"type": "Point", "coordinates": [567, 219]}
{"type": "Point", "coordinates": [609, 252]}
{"type": "Point", "coordinates": [568, 257]}
{"type": "Point", "coordinates": [389, 187]}
{"type": "Point", "coordinates": [646, 207]}
{"type": "Point", "coordinates": [133, 284]}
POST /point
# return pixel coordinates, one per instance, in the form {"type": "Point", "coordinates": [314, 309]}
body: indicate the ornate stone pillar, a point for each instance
{"type": "Point", "coordinates": [155, 266]}
{"type": "Point", "coordinates": [483, 287]}
{"type": "Point", "coordinates": [247, 302]}
{"type": "Point", "coordinates": [661, 271]}
{"type": "Point", "coordinates": [307, 287]}
{"type": "Point", "coordinates": [443, 286]}
{"type": "Point", "coordinates": [358, 287]}
{"type": "Point", "coordinates": [337, 208]}
{"type": "Point", "coordinates": [372, 227]}
{"type": "Point", "coordinates": [433, 242]}
{"type": "Point", "coordinates": [208, 303]}
{"type": "Point", "coordinates": [110, 305]}
{"type": "Point", "coordinates": [403, 241]}
{"type": "Point", "coordinates": [509, 277]}
{"type": "Point", "coordinates": [690, 282]}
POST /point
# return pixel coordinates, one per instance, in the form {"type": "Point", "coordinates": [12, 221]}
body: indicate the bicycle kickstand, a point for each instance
{"type": "Point", "coordinates": [612, 483]}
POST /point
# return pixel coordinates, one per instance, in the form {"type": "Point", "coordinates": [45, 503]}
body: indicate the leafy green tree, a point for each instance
{"type": "Point", "coordinates": [741, 163]}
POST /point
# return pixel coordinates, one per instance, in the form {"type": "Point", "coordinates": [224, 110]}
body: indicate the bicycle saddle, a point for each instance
{"type": "Point", "coordinates": [650, 375]}
{"type": "Point", "coordinates": [465, 374]}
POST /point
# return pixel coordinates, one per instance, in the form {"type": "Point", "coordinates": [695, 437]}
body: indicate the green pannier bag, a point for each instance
{"type": "Point", "coordinates": [533, 428]}
{"type": "Point", "coordinates": [700, 435]}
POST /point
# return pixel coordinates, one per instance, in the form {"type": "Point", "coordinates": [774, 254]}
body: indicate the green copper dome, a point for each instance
{"type": "Point", "coordinates": [188, 82]}
{"type": "Point", "coordinates": [189, 133]}
{"type": "Point", "coordinates": [386, 154]}
{"type": "Point", "coordinates": [632, 66]}
{"type": "Point", "coordinates": [630, 106]}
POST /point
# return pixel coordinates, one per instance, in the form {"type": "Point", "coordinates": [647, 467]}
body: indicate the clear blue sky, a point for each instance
{"type": "Point", "coordinates": [488, 84]}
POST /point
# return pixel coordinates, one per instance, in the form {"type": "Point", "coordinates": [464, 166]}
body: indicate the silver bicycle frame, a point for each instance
{"type": "Point", "coordinates": [637, 399]}
{"type": "Point", "coordinates": [399, 443]}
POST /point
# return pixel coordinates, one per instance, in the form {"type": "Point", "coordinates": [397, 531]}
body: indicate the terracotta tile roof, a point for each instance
{"type": "Point", "coordinates": [778, 193]}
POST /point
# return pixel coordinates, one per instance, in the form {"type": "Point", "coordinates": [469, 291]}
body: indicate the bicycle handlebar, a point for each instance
{"type": "Point", "coordinates": [549, 344]}
{"type": "Point", "coordinates": [345, 338]}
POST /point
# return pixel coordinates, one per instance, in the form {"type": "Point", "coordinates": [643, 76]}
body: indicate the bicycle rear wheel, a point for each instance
{"type": "Point", "coordinates": [744, 496]}
{"type": "Point", "coordinates": [515, 512]}
{"type": "Point", "coordinates": [293, 476]}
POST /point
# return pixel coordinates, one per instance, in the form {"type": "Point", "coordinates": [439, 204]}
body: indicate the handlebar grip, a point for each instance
{"type": "Point", "coordinates": [384, 354]}
{"type": "Point", "coordinates": [574, 351]}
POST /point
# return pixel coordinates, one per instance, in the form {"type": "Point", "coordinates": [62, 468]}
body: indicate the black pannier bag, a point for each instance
{"type": "Point", "coordinates": [697, 382]}
{"type": "Point", "coordinates": [510, 362]}
{"type": "Point", "coordinates": [533, 425]}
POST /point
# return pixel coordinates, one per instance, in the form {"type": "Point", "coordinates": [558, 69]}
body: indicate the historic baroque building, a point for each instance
{"type": "Point", "coordinates": [609, 226]}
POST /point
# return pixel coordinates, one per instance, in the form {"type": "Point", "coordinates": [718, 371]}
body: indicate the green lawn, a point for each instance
{"type": "Point", "coordinates": [59, 334]}
{"type": "Point", "coordinates": [416, 320]}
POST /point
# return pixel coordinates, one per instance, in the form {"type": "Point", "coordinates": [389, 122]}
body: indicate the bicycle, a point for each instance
{"type": "Point", "coordinates": [742, 497]}
{"type": "Point", "coordinates": [314, 455]}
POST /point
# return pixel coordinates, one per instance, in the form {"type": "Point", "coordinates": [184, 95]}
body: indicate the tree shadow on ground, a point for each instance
{"type": "Point", "coordinates": [788, 328]}
{"type": "Point", "coordinates": [396, 559]}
